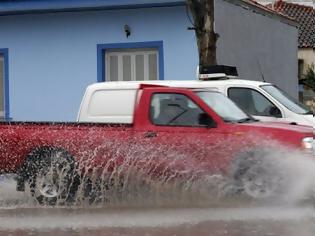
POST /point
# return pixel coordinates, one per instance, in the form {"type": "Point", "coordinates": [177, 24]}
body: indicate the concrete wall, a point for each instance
{"type": "Point", "coordinates": [254, 42]}
{"type": "Point", "coordinates": [53, 57]}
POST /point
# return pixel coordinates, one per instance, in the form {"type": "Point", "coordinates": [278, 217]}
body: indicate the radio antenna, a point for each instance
{"type": "Point", "coordinates": [260, 70]}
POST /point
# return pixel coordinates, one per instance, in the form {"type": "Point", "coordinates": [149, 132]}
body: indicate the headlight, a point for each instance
{"type": "Point", "coordinates": [308, 143]}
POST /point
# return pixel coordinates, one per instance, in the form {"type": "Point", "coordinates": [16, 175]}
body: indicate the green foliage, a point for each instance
{"type": "Point", "coordinates": [309, 77]}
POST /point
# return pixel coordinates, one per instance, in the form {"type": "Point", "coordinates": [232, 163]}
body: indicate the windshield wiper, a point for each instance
{"type": "Point", "coordinates": [245, 120]}
{"type": "Point", "coordinates": [309, 113]}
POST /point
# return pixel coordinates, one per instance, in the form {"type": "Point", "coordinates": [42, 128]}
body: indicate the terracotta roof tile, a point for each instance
{"type": "Point", "coordinates": [268, 9]}
{"type": "Point", "coordinates": [304, 15]}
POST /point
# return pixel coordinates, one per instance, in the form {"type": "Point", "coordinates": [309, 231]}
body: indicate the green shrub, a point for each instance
{"type": "Point", "coordinates": [309, 77]}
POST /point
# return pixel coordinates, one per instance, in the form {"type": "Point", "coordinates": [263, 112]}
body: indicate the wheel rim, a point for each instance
{"type": "Point", "coordinates": [260, 184]}
{"type": "Point", "coordinates": [258, 188]}
{"type": "Point", "coordinates": [46, 185]}
{"type": "Point", "coordinates": [50, 181]}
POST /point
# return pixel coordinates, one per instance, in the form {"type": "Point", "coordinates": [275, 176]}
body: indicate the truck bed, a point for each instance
{"type": "Point", "coordinates": [18, 139]}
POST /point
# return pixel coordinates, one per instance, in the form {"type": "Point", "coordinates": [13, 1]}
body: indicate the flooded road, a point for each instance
{"type": "Point", "coordinates": [119, 222]}
{"type": "Point", "coordinates": [20, 216]}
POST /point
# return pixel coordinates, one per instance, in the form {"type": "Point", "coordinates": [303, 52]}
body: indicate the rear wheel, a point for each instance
{"type": "Point", "coordinates": [52, 178]}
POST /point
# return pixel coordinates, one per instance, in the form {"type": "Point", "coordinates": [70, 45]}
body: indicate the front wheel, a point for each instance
{"type": "Point", "coordinates": [259, 182]}
{"type": "Point", "coordinates": [258, 175]}
{"type": "Point", "coordinates": [52, 179]}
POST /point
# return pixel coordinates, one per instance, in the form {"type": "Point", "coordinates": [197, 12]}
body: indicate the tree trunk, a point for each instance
{"type": "Point", "coordinates": [203, 16]}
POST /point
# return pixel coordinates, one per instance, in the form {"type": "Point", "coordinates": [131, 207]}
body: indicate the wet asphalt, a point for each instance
{"type": "Point", "coordinates": [20, 215]}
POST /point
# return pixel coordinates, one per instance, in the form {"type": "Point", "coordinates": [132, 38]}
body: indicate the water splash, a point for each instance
{"type": "Point", "coordinates": [134, 177]}
{"type": "Point", "coordinates": [145, 173]}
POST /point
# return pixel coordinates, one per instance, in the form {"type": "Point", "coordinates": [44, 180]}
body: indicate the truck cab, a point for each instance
{"type": "Point", "coordinates": [265, 101]}
{"type": "Point", "coordinates": [191, 107]}
{"type": "Point", "coordinates": [262, 100]}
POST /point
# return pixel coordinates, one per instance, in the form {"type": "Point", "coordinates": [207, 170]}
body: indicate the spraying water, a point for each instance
{"type": "Point", "coordinates": [167, 175]}
{"type": "Point", "coordinates": [135, 195]}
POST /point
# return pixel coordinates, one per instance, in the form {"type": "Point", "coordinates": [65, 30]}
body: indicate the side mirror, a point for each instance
{"type": "Point", "coordinates": [206, 120]}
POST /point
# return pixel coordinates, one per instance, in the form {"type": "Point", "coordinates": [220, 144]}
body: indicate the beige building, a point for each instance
{"type": "Point", "coordinates": [306, 58]}
{"type": "Point", "coordinates": [305, 16]}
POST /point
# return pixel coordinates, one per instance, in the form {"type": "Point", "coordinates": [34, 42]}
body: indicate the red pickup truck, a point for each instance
{"type": "Point", "coordinates": [154, 130]}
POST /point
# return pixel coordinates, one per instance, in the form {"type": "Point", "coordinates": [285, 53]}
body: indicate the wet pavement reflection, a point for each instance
{"type": "Point", "coordinates": [253, 221]}
{"type": "Point", "coordinates": [19, 217]}
{"type": "Point", "coordinates": [212, 228]}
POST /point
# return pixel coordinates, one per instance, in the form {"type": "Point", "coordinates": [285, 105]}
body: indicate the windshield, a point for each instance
{"type": "Point", "coordinates": [286, 100]}
{"type": "Point", "coordinates": [223, 106]}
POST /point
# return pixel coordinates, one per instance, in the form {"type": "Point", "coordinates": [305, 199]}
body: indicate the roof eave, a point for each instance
{"type": "Point", "coordinates": [307, 47]}
{"type": "Point", "coordinates": [46, 6]}
{"type": "Point", "coordinates": [266, 12]}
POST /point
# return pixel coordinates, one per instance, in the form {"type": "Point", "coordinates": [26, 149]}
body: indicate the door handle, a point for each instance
{"type": "Point", "coordinates": [150, 134]}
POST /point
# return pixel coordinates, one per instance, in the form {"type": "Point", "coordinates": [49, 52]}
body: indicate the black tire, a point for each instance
{"type": "Point", "coordinates": [256, 175]}
{"type": "Point", "coordinates": [52, 176]}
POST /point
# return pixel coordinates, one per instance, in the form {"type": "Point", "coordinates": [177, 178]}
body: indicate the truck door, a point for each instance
{"type": "Point", "coordinates": [178, 134]}
{"type": "Point", "coordinates": [255, 104]}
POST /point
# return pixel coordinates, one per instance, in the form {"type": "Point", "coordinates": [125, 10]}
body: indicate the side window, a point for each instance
{"type": "Point", "coordinates": [253, 102]}
{"type": "Point", "coordinates": [177, 110]}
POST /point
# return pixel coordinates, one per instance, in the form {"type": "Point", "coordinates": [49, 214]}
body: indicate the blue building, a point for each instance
{"type": "Point", "coordinates": [50, 50]}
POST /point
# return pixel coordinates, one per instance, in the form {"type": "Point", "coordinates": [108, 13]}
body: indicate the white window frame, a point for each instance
{"type": "Point", "coordinates": [132, 53]}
